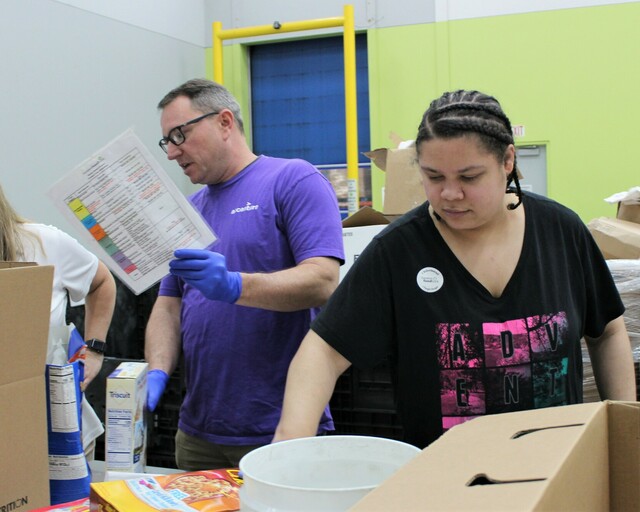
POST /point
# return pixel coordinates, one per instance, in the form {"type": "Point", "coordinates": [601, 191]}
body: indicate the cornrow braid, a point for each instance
{"type": "Point", "coordinates": [461, 112]}
{"type": "Point", "coordinates": [486, 127]}
{"type": "Point", "coordinates": [478, 107]}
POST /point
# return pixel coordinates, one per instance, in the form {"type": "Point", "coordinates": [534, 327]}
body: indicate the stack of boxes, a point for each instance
{"type": "Point", "coordinates": [619, 238]}
{"type": "Point", "coordinates": [619, 241]}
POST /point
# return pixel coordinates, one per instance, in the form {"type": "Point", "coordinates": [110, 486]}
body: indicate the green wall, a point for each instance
{"type": "Point", "coordinates": [571, 77]}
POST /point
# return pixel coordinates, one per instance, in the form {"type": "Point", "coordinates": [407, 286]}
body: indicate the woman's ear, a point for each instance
{"type": "Point", "coordinates": [509, 159]}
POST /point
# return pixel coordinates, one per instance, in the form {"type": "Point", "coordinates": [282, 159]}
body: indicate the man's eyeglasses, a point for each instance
{"type": "Point", "coordinates": [176, 135]}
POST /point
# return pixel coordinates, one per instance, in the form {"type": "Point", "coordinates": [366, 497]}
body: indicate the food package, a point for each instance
{"type": "Point", "coordinates": [207, 491]}
{"type": "Point", "coordinates": [126, 426]}
{"type": "Point", "coordinates": [81, 505]}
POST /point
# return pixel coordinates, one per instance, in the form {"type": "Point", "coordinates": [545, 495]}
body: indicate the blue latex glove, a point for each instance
{"type": "Point", "coordinates": [207, 271]}
{"type": "Point", "coordinates": [156, 382]}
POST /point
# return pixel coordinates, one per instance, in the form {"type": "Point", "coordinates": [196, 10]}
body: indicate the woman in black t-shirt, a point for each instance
{"type": "Point", "coordinates": [480, 296]}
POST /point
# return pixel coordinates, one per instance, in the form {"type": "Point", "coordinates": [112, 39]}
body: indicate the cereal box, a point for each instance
{"type": "Point", "coordinates": [210, 491]}
{"type": "Point", "coordinates": [125, 425]}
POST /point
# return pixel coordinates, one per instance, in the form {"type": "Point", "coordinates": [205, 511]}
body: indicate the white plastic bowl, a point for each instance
{"type": "Point", "coordinates": [318, 474]}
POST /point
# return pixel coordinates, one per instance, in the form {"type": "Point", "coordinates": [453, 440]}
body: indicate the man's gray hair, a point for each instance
{"type": "Point", "coordinates": [206, 96]}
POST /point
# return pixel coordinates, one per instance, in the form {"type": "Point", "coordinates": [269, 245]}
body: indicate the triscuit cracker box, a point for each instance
{"type": "Point", "coordinates": [125, 425]}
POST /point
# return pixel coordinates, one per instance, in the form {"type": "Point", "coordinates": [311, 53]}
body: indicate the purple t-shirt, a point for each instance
{"type": "Point", "coordinates": [271, 216]}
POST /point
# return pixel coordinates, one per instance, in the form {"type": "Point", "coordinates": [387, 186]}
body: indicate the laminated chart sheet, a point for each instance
{"type": "Point", "coordinates": [129, 212]}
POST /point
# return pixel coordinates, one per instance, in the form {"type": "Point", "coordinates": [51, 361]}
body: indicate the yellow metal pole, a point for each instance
{"type": "Point", "coordinates": [278, 28]}
{"type": "Point", "coordinates": [351, 111]}
{"type": "Point", "coordinates": [350, 90]}
{"type": "Point", "coordinates": [217, 52]}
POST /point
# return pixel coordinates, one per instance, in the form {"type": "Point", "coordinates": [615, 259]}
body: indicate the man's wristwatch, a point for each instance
{"type": "Point", "coordinates": [96, 345]}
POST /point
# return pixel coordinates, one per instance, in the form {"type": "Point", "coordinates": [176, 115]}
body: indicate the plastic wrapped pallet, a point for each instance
{"type": "Point", "coordinates": [626, 274]}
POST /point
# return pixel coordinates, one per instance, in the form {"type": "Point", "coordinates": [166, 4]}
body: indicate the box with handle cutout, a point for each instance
{"type": "Point", "coordinates": [577, 457]}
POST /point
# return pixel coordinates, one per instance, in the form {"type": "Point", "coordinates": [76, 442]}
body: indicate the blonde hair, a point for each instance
{"type": "Point", "coordinates": [12, 232]}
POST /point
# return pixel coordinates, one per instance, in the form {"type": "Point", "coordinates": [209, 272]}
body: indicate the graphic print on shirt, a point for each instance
{"type": "Point", "coordinates": [246, 208]}
{"type": "Point", "coordinates": [502, 367]}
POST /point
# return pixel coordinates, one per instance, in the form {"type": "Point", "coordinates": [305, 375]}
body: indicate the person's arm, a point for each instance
{"type": "Point", "coordinates": [307, 285]}
{"type": "Point", "coordinates": [162, 345]}
{"type": "Point", "coordinates": [311, 380]}
{"type": "Point", "coordinates": [162, 337]}
{"type": "Point", "coordinates": [612, 362]}
{"type": "Point", "coordinates": [99, 305]}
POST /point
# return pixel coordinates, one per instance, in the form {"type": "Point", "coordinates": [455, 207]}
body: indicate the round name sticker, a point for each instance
{"type": "Point", "coordinates": [430, 279]}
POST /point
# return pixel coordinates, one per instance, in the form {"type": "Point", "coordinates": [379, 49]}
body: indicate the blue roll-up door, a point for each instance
{"type": "Point", "coordinates": [297, 91]}
{"type": "Point", "coordinates": [298, 108]}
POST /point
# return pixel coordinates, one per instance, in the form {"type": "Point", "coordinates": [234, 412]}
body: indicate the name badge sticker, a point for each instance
{"type": "Point", "coordinates": [430, 279]}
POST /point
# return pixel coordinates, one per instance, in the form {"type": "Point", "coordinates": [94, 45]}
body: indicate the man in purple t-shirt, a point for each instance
{"type": "Point", "coordinates": [238, 310]}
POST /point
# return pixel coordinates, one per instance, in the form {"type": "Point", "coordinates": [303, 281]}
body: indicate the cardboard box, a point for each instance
{"type": "Point", "coordinates": [357, 231]}
{"type": "Point", "coordinates": [579, 457]}
{"type": "Point", "coordinates": [629, 212]}
{"type": "Point", "coordinates": [628, 204]}
{"type": "Point", "coordinates": [125, 422]}
{"type": "Point", "coordinates": [355, 240]}
{"type": "Point", "coordinates": [403, 189]}
{"type": "Point", "coordinates": [25, 303]}
{"type": "Point", "coordinates": [617, 239]}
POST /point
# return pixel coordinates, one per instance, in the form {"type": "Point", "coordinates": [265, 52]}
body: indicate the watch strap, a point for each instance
{"type": "Point", "coordinates": [96, 345]}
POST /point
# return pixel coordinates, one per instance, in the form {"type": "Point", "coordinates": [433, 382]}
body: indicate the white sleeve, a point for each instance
{"type": "Point", "coordinates": [75, 266]}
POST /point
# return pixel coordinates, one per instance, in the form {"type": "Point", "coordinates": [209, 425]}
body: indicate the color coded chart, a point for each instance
{"type": "Point", "coordinates": [130, 212]}
{"type": "Point", "coordinates": [90, 222]}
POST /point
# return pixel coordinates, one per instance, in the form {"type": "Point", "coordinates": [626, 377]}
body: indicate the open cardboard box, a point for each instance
{"type": "Point", "coordinates": [403, 189]}
{"type": "Point", "coordinates": [628, 204]}
{"type": "Point", "coordinates": [357, 231]}
{"type": "Point", "coordinates": [628, 212]}
{"type": "Point", "coordinates": [616, 238]}
{"type": "Point", "coordinates": [355, 240]}
{"type": "Point", "coordinates": [403, 192]}
{"type": "Point", "coordinates": [25, 302]}
{"type": "Point", "coordinates": [579, 457]}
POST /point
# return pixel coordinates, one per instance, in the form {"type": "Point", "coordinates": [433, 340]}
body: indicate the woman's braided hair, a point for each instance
{"type": "Point", "coordinates": [462, 112]}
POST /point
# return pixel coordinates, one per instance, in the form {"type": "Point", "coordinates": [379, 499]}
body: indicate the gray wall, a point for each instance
{"type": "Point", "coordinates": [367, 13]}
{"type": "Point", "coordinates": [71, 82]}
